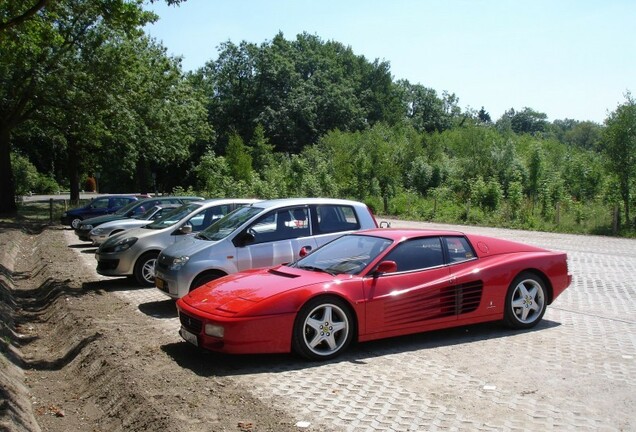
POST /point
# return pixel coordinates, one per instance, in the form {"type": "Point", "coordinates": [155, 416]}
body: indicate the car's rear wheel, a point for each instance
{"type": "Point", "coordinates": [75, 222]}
{"type": "Point", "coordinates": [323, 329]}
{"type": "Point", "coordinates": [145, 269]}
{"type": "Point", "coordinates": [526, 301]}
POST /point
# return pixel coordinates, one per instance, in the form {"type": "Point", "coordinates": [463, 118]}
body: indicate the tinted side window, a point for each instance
{"type": "Point", "coordinates": [459, 249]}
{"type": "Point", "coordinates": [336, 218]}
{"type": "Point", "coordinates": [417, 254]}
{"type": "Point", "coordinates": [204, 219]}
{"type": "Point", "coordinates": [100, 203]}
{"type": "Point", "coordinates": [281, 225]}
{"type": "Point", "coordinates": [119, 202]}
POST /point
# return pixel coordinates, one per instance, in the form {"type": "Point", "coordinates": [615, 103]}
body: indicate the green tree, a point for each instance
{"type": "Point", "coordinates": [238, 159]}
{"type": "Point", "coordinates": [423, 108]}
{"type": "Point", "coordinates": [525, 121]}
{"type": "Point", "coordinates": [620, 148]}
{"type": "Point", "coordinates": [37, 59]}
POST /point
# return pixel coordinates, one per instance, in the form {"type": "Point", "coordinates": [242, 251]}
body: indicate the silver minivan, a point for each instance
{"type": "Point", "coordinates": [133, 252]}
{"type": "Point", "coordinates": [262, 234]}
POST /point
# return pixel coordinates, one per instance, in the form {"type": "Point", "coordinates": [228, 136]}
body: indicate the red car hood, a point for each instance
{"type": "Point", "coordinates": [240, 291]}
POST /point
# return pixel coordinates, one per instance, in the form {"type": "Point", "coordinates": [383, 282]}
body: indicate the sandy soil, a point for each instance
{"type": "Point", "coordinates": [74, 357]}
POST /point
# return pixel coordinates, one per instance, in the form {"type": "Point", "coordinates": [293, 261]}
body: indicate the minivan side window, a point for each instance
{"type": "Point", "coordinates": [336, 218]}
{"type": "Point", "coordinates": [281, 224]}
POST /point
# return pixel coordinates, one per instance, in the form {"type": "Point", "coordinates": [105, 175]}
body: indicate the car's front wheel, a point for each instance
{"type": "Point", "coordinates": [526, 301]}
{"type": "Point", "coordinates": [205, 278]}
{"type": "Point", "coordinates": [76, 222]}
{"type": "Point", "coordinates": [145, 269]}
{"type": "Point", "coordinates": [323, 329]}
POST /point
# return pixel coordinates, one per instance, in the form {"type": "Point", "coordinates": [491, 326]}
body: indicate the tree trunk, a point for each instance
{"type": "Point", "coordinates": [73, 171]}
{"type": "Point", "coordinates": [7, 182]}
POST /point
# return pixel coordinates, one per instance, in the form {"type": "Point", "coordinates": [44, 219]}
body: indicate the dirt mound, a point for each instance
{"type": "Point", "coordinates": [77, 357]}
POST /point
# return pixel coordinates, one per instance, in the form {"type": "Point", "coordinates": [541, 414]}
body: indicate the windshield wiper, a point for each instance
{"type": "Point", "coordinates": [316, 269]}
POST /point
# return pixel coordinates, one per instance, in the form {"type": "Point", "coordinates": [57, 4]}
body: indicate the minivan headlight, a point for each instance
{"type": "Point", "coordinates": [179, 262]}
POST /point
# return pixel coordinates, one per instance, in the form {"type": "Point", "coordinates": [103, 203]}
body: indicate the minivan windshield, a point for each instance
{"type": "Point", "coordinates": [173, 216]}
{"type": "Point", "coordinates": [228, 224]}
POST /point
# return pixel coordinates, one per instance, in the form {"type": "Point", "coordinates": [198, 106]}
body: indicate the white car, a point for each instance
{"type": "Point", "coordinates": [263, 234]}
{"type": "Point", "coordinates": [99, 234]}
{"type": "Point", "coordinates": [134, 252]}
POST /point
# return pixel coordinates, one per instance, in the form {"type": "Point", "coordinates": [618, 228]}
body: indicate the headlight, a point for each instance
{"type": "Point", "coordinates": [124, 244]}
{"type": "Point", "coordinates": [179, 262]}
{"type": "Point", "coordinates": [86, 227]}
{"type": "Point", "coordinates": [98, 231]}
{"type": "Point", "coordinates": [214, 330]}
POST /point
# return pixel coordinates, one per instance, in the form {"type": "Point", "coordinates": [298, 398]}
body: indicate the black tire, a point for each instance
{"type": "Point", "coordinates": [526, 301]}
{"type": "Point", "coordinates": [75, 222]}
{"type": "Point", "coordinates": [323, 329]}
{"type": "Point", "coordinates": [145, 269]}
{"type": "Point", "coordinates": [203, 279]}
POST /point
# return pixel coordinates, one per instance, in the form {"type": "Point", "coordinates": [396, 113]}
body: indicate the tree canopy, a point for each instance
{"type": "Point", "coordinates": [85, 93]}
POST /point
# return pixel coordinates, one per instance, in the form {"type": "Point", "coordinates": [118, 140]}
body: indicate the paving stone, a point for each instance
{"type": "Point", "coordinates": [575, 371]}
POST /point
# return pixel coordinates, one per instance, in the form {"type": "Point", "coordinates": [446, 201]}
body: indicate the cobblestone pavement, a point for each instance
{"type": "Point", "coordinates": [575, 371]}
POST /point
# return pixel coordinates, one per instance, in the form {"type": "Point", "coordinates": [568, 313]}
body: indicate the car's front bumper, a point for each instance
{"type": "Point", "coordinates": [245, 335]}
{"type": "Point", "coordinates": [115, 264]}
{"type": "Point", "coordinates": [83, 234]}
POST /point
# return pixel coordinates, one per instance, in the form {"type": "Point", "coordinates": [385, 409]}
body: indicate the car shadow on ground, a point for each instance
{"type": "Point", "coordinates": [111, 285]}
{"type": "Point", "coordinates": [159, 309]}
{"type": "Point", "coordinates": [208, 364]}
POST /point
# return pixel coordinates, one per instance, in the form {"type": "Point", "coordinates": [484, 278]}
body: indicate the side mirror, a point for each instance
{"type": "Point", "coordinates": [385, 224]}
{"type": "Point", "coordinates": [304, 251]}
{"type": "Point", "coordinates": [385, 267]}
{"type": "Point", "coordinates": [186, 229]}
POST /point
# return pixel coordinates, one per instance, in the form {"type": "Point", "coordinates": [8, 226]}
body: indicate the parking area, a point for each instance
{"type": "Point", "coordinates": [575, 371]}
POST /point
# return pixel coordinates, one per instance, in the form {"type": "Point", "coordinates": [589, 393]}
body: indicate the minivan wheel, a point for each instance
{"type": "Point", "coordinates": [203, 279]}
{"type": "Point", "coordinates": [145, 269]}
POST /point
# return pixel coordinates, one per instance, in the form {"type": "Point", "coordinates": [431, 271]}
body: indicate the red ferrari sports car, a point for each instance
{"type": "Point", "coordinates": [374, 284]}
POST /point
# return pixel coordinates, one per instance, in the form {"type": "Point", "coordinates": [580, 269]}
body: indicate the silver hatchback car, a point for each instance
{"type": "Point", "coordinates": [263, 234]}
{"type": "Point", "coordinates": [98, 235]}
{"type": "Point", "coordinates": [133, 252]}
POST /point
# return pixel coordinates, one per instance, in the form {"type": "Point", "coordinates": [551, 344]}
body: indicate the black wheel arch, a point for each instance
{"type": "Point", "coordinates": [215, 273]}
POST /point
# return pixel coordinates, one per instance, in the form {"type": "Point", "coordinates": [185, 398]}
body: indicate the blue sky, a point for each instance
{"type": "Point", "coordinates": [566, 58]}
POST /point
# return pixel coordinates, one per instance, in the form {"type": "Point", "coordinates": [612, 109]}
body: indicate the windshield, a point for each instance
{"type": "Point", "coordinates": [228, 224]}
{"type": "Point", "coordinates": [125, 209]}
{"type": "Point", "coordinates": [173, 216]}
{"type": "Point", "coordinates": [348, 254]}
{"type": "Point", "coordinates": [148, 214]}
